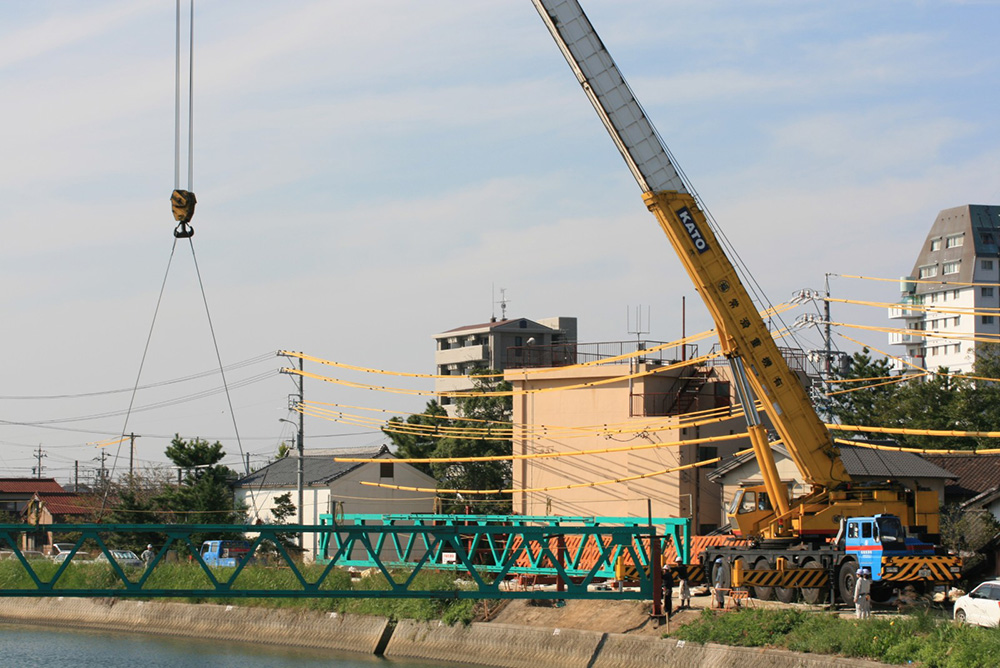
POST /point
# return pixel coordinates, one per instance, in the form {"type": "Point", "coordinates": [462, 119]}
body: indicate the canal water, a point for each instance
{"type": "Point", "coordinates": [31, 647]}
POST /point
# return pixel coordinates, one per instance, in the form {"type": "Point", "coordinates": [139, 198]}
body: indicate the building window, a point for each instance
{"type": "Point", "coordinates": [928, 272]}
{"type": "Point", "coordinates": [708, 452]}
{"type": "Point", "coordinates": [986, 292]}
{"type": "Point", "coordinates": [958, 319]}
{"type": "Point", "coordinates": [958, 348]}
{"type": "Point", "coordinates": [385, 470]}
{"type": "Point", "coordinates": [987, 320]}
{"type": "Point", "coordinates": [950, 267]}
{"type": "Point", "coordinates": [986, 237]}
{"type": "Point", "coordinates": [986, 265]}
{"type": "Point", "coordinates": [955, 241]}
{"type": "Point", "coordinates": [954, 294]}
{"type": "Point", "coordinates": [936, 244]}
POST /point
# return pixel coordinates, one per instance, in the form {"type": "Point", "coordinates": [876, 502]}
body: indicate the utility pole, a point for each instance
{"type": "Point", "coordinates": [102, 473]}
{"type": "Point", "coordinates": [294, 401]}
{"type": "Point", "coordinates": [131, 454]}
{"type": "Point", "coordinates": [39, 456]}
{"type": "Point", "coordinates": [300, 473]}
{"type": "Point", "coordinates": [826, 328]}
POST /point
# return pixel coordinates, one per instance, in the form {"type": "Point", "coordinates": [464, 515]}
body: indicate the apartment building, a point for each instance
{"type": "Point", "coordinates": [951, 296]}
{"type": "Point", "coordinates": [498, 344]}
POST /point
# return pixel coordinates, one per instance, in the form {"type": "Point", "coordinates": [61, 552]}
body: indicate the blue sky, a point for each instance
{"type": "Point", "coordinates": [369, 172]}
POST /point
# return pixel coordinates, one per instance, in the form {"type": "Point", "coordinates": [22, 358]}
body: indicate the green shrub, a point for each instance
{"type": "Point", "coordinates": [923, 639]}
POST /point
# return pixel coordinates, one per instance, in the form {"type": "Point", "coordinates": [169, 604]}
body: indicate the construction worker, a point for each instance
{"type": "Point", "coordinates": [862, 594]}
{"type": "Point", "coordinates": [718, 591]}
{"type": "Point", "coordinates": [685, 595]}
{"type": "Point", "coordinates": [668, 591]}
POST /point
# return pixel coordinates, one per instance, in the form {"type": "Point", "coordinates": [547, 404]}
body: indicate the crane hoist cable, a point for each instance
{"type": "Point", "coordinates": [182, 204]}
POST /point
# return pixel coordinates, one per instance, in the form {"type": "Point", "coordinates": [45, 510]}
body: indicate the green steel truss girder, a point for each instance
{"type": "Point", "coordinates": [493, 550]}
{"type": "Point", "coordinates": [41, 578]}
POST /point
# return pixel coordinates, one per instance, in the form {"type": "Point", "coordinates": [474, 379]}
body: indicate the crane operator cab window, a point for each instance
{"type": "Point", "coordinates": [749, 501]}
{"type": "Point", "coordinates": [889, 530]}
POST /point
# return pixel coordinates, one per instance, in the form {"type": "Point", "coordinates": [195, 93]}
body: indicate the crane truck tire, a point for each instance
{"type": "Point", "coordinates": [813, 595]}
{"type": "Point", "coordinates": [786, 594]}
{"type": "Point", "coordinates": [762, 593]}
{"type": "Point", "coordinates": [846, 576]}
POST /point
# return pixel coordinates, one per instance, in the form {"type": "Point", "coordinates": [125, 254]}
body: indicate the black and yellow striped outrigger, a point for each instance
{"type": "Point", "coordinates": [938, 568]}
{"type": "Point", "coordinates": [791, 578]}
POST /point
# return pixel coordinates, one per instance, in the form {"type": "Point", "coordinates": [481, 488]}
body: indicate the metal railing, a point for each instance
{"type": "Point", "coordinates": [545, 547]}
{"type": "Point", "coordinates": [566, 354]}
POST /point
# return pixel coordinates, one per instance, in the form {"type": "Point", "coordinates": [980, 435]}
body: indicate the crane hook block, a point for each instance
{"type": "Point", "coordinates": [182, 204]}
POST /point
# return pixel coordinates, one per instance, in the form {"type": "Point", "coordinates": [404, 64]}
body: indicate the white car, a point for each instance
{"type": "Point", "coordinates": [77, 558]}
{"type": "Point", "coordinates": [123, 557]}
{"type": "Point", "coordinates": [981, 606]}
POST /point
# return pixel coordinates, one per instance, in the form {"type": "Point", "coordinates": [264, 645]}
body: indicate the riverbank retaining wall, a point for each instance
{"type": "Point", "coordinates": [485, 644]}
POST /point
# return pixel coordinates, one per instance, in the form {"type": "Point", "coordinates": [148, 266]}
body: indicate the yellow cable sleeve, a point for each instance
{"type": "Point", "coordinates": [547, 455]}
{"type": "Point", "coordinates": [543, 489]}
{"type": "Point", "coordinates": [925, 451]}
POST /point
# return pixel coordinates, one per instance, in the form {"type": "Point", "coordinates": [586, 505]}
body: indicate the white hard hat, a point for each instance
{"type": "Point", "coordinates": [149, 547]}
{"type": "Point", "coordinates": [861, 571]}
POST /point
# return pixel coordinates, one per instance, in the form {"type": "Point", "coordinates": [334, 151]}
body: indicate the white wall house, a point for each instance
{"type": "Point", "coordinates": [955, 274]}
{"type": "Point", "coordinates": [330, 486]}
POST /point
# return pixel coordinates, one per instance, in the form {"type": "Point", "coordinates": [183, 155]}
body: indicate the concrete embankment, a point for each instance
{"type": "Point", "coordinates": [295, 628]}
{"type": "Point", "coordinates": [486, 644]}
{"type": "Point", "coordinates": [508, 646]}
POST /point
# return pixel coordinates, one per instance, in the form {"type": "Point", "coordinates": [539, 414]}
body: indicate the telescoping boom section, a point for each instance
{"type": "Point", "coordinates": [759, 370]}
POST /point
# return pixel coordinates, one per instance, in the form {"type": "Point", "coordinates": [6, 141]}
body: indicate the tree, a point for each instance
{"type": "Point", "coordinates": [282, 511]}
{"type": "Point", "coordinates": [968, 533]}
{"type": "Point", "coordinates": [204, 495]}
{"type": "Point", "coordinates": [486, 413]}
{"type": "Point", "coordinates": [931, 402]}
{"type": "Point", "coordinates": [419, 442]}
{"type": "Point", "coordinates": [979, 405]}
{"type": "Point", "coordinates": [136, 501]}
{"type": "Point", "coordinates": [848, 404]}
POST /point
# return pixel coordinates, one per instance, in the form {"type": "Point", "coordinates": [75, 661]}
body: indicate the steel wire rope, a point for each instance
{"type": "Point", "coordinates": [173, 381]}
{"type": "Point", "coordinates": [142, 363]}
{"type": "Point", "coordinates": [166, 403]}
{"type": "Point", "coordinates": [215, 343]}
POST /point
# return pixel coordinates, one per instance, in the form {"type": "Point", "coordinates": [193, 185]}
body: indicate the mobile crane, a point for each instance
{"type": "Point", "coordinates": [787, 537]}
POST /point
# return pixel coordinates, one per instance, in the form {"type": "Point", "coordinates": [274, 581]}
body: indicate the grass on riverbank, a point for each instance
{"type": "Point", "coordinates": [923, 639]}
{"type": "Point", "coordinates": [187, 576]}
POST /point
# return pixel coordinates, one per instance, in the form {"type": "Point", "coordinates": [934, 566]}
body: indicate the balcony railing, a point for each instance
{"type": "Point", "coordinates": [566, 354]}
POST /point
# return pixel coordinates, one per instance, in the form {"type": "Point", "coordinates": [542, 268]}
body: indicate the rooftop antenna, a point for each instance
{"type": "Point", "coordinates": [635, 360]}
{"type": "Point", "coordinates": [503, 304]}
{"type": "Point", "coordinates": [638, 331]}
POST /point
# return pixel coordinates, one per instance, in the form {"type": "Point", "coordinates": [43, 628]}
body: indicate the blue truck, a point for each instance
{"type": "Point", "coordinates": [814, 572]}
{"type": "Point", "coordinates": [224, 553]}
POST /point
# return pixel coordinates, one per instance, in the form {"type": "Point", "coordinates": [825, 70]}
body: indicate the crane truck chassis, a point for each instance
{"type": "Point", "coordinates": [788, 541]}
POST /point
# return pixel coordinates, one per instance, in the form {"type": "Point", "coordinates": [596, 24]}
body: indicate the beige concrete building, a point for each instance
{"type": "Point", "coordinates": [499, 344]}
{"type": "Point", "coordinates": [569, 408]}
